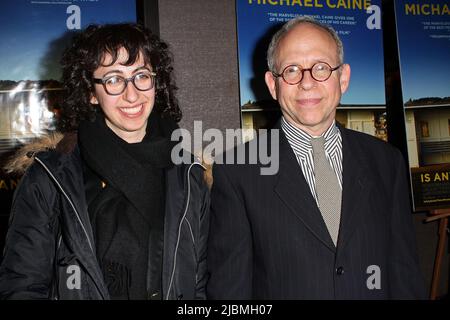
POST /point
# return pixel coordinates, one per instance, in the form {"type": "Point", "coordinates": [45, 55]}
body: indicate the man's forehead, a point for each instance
{"type": "Point", "coordinates": [308, 35]}
{"type": "Point", "coordinates": [306, 29]}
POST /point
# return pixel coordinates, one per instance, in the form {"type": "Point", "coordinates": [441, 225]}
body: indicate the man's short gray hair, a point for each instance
{"type": "Point", "coordinates": [271, 52]}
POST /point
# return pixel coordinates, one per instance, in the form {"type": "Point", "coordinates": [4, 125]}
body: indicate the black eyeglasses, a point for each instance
{"type": "Point", "coordinates": [115, 85]}
{"type": "Point", "coordinates": [293, 74]}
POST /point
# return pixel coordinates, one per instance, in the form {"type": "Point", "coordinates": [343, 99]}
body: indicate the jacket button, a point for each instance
{"type": "Point", "coordinates": [154, 296]}
{"type": "Point", "coordinates": [340, 271]}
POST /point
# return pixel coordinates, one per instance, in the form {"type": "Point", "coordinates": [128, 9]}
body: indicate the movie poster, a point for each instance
{"type": "Point", "coordinates": [33, 37]}
{"type": "Point", "coordinates": [423, 32]}
{"type": "Point", "coordinates": [358, 23]}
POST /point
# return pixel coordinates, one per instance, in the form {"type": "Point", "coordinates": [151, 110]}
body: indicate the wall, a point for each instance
{"type": "Point", "coordinates": [202, 35]}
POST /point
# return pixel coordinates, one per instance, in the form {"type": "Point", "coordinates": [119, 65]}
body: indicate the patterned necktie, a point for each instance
{"type": "Point", "coordinates": [328, 191]}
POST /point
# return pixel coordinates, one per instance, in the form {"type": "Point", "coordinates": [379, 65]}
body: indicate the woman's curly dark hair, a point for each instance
{"type": "Point", "coordinates": [86, 54]}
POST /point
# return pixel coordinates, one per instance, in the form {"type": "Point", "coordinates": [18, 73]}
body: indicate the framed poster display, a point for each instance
{"type": "Point", "coordinates": [423, 33]}
{"type": "Point", "coordinates": [358, 23]}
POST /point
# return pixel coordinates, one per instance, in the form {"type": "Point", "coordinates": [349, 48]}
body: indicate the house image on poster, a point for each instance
{"type": "Point", "coordinates": [428, 131]}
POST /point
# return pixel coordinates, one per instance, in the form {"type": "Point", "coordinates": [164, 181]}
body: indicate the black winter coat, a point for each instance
{"type": "Point", "coordinates": [50, 253]}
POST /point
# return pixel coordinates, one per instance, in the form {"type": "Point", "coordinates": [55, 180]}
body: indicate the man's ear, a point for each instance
{"type": "Point", "coordinates": [344, 79]}
{"type": "Point", "coordinates": [93, 99]}
{"type": "Point", "coordinates": [271, 85]}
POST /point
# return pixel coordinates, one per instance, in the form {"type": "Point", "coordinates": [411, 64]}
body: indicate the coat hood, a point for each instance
{"type": "Point", "coordinates": [65, 143]}
{"type": "Point", "coordinates": [23, 158]}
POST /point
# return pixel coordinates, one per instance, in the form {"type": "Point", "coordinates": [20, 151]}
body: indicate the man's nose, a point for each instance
{"type": "Point", "coordinates": [308, 81]}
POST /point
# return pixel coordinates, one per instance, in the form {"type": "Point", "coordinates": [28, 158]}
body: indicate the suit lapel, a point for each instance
{"type": "Point", "coordinates": [355, 189]}
{"type": "Point", "coordinates": [294, 191]}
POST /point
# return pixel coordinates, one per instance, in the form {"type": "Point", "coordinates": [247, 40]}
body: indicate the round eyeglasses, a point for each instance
{"type": "Point", "coordinates": [293, 74]}
{"type": "Point", "coordinates": [115, 85]}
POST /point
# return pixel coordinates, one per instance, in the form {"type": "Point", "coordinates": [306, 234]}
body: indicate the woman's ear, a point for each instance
{"type": "Point", "coordinates": [93, 99]}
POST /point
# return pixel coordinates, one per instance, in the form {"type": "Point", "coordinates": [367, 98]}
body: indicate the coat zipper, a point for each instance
{"type": "Point", "coordinates": [73, 207]}
{"type": "Point", "coordinates": [179, 227]}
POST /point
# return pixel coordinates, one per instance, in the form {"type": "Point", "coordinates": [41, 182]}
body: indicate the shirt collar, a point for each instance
{"type": "Point", "coordinates": [303, 137]}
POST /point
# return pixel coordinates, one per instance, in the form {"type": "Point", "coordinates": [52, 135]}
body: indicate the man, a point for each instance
{"type": "Point", "coordinates": [335, 221]}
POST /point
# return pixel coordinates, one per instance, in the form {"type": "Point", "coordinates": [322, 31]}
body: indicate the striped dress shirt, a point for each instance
{"type": "Point", "coordinates": [301, 145]}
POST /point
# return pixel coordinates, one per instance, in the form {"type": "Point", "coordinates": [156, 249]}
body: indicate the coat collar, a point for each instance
{"type": "Point", "coordinates": [355, 186]}
{"type": "Point", "coordinates": [294, 191]}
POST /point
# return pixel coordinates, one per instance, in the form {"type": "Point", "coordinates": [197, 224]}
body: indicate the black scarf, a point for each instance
{"type": "Point", "coordinates": [125, 190]}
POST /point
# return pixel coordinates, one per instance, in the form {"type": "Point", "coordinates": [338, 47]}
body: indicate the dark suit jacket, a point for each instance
{"type": "Point", "coordinates": [268, 239]}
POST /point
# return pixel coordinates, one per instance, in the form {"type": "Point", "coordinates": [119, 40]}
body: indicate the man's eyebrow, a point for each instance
{"type": "Point", "coordinates": [326, 60]}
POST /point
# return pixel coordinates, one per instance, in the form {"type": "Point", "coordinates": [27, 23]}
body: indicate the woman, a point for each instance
{"type": "Point", "coordinates": [104, 213]}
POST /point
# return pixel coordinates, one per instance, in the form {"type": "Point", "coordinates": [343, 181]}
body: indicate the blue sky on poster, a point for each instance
{"type": "Point", "coordinates": [363, 47]}
{"type": "Point", "coordinates": [424, 47]}
{"type": "Point", "coordinates": [28, 27]}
